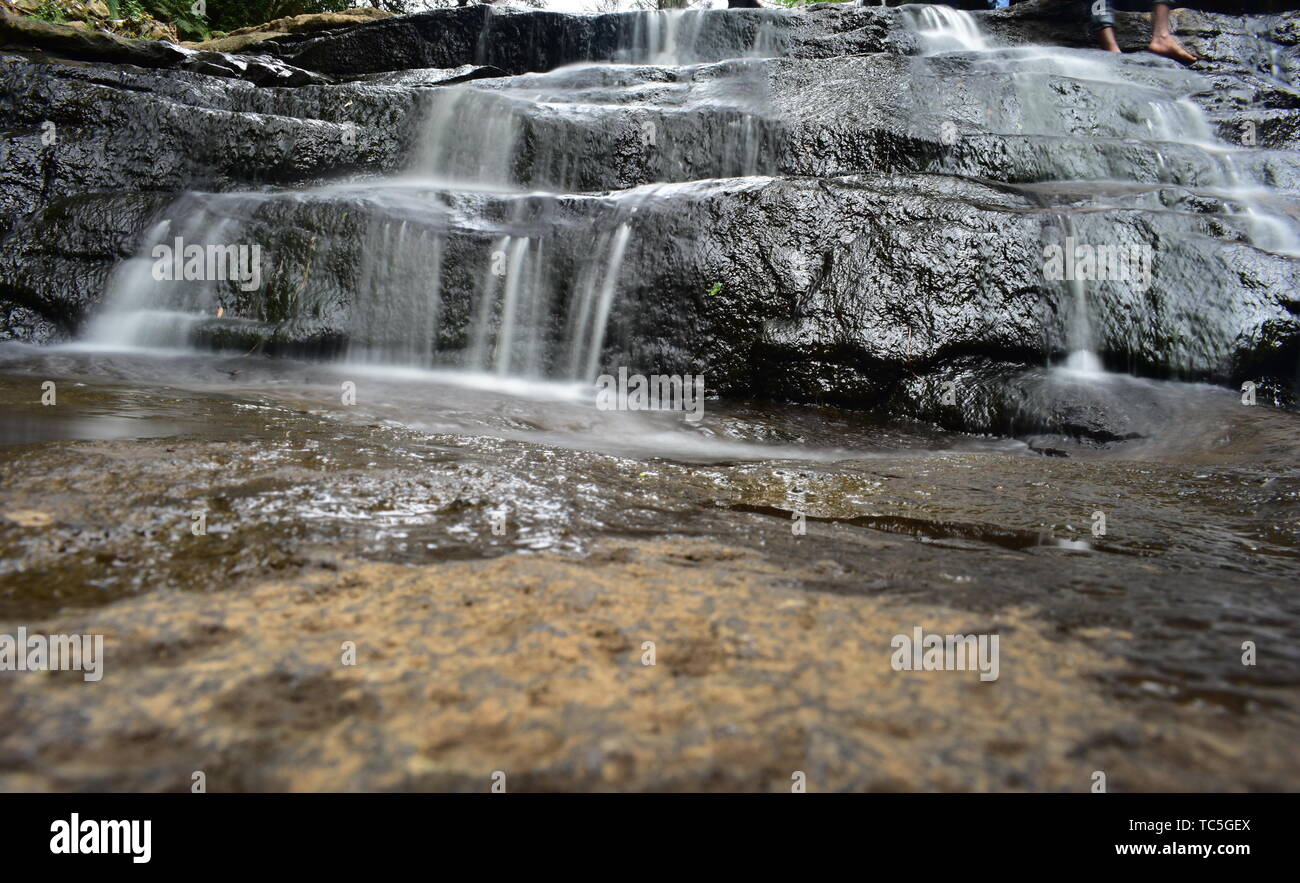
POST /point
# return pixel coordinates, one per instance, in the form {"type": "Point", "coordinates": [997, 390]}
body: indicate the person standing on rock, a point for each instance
{"type": "Point", "coordinates": [1163, 41]}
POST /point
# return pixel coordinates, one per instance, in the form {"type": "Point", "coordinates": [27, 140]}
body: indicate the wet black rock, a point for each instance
{"type": "Point", "coordinates": [27, 326]}
{"type": "Point", "coordinates": [520, 41]}
{"type": "Point", "coordinates": [1054, 409]}
{"type": "Point", "coordinates": [78, 129]}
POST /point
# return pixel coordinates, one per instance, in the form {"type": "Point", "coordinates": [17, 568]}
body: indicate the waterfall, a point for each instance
{"type": "Point", "coordinates": [594, 296]}
{"type": "Point", "coordinates": [665, 36]}
{"type": "Point", "coordinates": [469, 137]}
{"type": "Point", "coordinates": [141, 318]}
{"type": "Point", "coordinates": [498, 244]}
{"type": "Point", "coordinates": [605, 300]}
{"type": "Point", "coordinates": [468, 257]}
{"type": "Point", "coordinates": [1082, 357]}
{"type": "Point", "coordinates": [154, 299]}
{"type": "Point", "coordinates": [398, 299]}
{"type": "Point", "coordinates": [944, 29]}
{"type": "Point", "coordinates": [516, 269]}
{"type": "Point", "coordinates": [1136, 104]}
{"type": "Point", "coordinates": [690, 36]}
{"type": "Point", "coordinates": [1183, 122]}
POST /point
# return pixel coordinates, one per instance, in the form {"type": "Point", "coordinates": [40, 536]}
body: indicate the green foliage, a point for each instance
{"type": "Point", "coordinates": [189, 22]}
{"type": "Point", "coordinates": [205, 19]}
{"type": "Point", "coordinates": [49, 11]}
{"type": "Point", "coordinates": [715, 290]}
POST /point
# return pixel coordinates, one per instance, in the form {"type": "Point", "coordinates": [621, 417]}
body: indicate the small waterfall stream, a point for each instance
{"type": "Point", "coordinates": [1173, 126]}
{"type": "Point", "coordinates": [944, 29]}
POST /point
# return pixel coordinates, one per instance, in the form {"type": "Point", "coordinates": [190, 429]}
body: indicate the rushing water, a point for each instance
{"type": "Point", "coordinates": [1156, 112]}
{"type": "Point", "coordinates": [490, 166]}
{"type": "Point", "coordinates": [944, 29]}
{"type": "Point", "coordinates": [458, 263]}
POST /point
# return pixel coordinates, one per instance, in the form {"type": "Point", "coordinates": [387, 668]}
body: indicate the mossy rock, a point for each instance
{"type": "Point", "coordinates": [238, 39]}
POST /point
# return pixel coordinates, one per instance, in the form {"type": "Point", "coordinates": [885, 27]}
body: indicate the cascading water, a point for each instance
{"type": "Point", "coordinates": [1183, 122]}
{"type": "Point", "coordinates": [454, 262]}
{"type": "Point", "coordinates": [691, 36]}
{"type": "Point", "coordinates": [1150, 107]}
{"type": "Point", "coordinates": [158, 297]}
{"type": "Point", "coordinates": [499, 244]}
{"type": "Point", "coordinates": [944, 29]}
{"type": "Point", "coordinates": [471, 137]}
{"type": "Point", "coordinates": [664, 37]}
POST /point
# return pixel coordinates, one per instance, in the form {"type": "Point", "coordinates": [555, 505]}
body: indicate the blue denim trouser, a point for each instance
{"type": "Point", "coordinates": [1103, 11]}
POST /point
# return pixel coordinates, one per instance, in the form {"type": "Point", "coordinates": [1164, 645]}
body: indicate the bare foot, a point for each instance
{"type": "Point", "coordinates": [1169, 47]}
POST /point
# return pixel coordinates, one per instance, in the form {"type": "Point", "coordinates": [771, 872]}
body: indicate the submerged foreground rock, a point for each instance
{"type": "Point", "coordinates": [524, 649]}
{"type": "Point", "coordinates": [532, 666]}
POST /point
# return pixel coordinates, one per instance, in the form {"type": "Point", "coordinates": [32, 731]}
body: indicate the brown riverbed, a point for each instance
{"type": "Point", "coordinates": [500, 563]}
